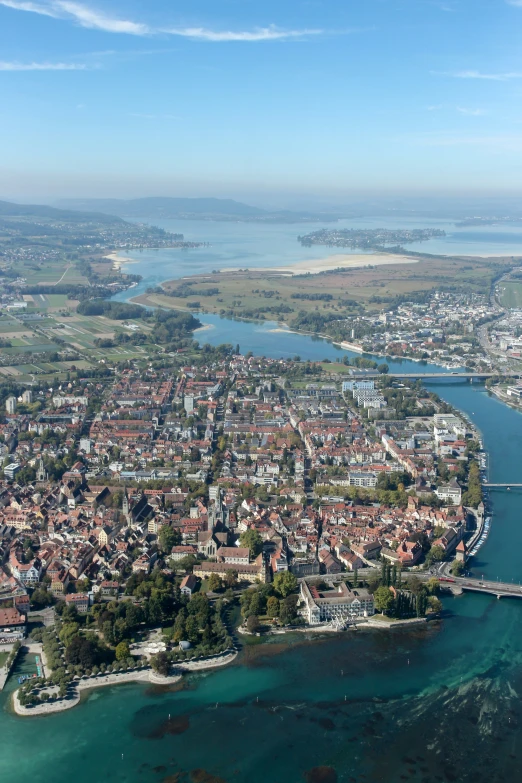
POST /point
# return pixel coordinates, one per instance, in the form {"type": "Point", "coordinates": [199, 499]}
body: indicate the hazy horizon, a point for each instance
{"type": "Point", "coordinates": [372, 204]}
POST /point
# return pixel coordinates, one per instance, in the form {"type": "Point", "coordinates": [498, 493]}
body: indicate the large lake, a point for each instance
{"type": "Point", "coordinates": [439, 704]}
{"type": "Point", "coordinates": [253, 245]}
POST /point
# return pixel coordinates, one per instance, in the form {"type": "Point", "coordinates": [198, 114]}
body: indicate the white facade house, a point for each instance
{"type": "Point", "coordinates": [68, 399]}
{"type": "Point", "coordinates": [362, 479]}
{"type": "Point", "coordinates": [340, 604]}
{"type": "Point", "coordinates": [233, 555]}
{"type": "Point", "coordinates": [26, 574]}
{"type": "Point", "coordinates": [355, 385]}
{"type": "Point", "coordinates": [451, 492]}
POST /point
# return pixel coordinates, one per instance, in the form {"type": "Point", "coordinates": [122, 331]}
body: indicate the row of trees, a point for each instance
{"type": "Point", "coordinates": [399, 603]}
{"type": "Point", "coordinates": [118, 311]}
{"type": "Point", "coordinates": [391, 576]}
{"type": "Point", "coordinates": [12, 656]}
{"type": "Point", "coordinates": [404, 605]}
{"type": "Point", "coordinates": [473, 496]}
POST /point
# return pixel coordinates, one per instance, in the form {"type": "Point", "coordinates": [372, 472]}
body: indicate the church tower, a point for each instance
{"type": "Point", "coordinates": [41, 473]}
{"type": "Point", "coordinates": [125, 506]}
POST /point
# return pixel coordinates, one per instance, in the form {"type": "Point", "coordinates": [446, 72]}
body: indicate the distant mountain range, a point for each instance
{"type": "Point", "coordinates": [190, 209]}
{"type": "Point", "coordinates": [43, 212]}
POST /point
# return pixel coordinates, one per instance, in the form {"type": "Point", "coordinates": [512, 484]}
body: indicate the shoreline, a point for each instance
{"type": "Point", "coordinates": [143, 675]}
{"type": "Point", "coordinates": [145, 300]}
{"type": "Point", "coordinates": [316, 266]}
{"type": "Point", "coordinates": [503, 397]}
{"type": "Point", "coordinates": [366, 623]}
{"type": "Point", "coordinates": [204, 328]}
{"type": "Point", "coordinates": [118, 260]}
{"type": "Point", "coordinates": [313, 266]}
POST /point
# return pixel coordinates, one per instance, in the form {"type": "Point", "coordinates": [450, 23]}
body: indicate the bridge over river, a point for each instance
{"type": "Point", "coordinates": [501, 589]}
{"type": "Point", "coordinates": [478, 376]}
{"type": "Point", "coordinates": [490, 485]}
{"type": "Point", "coordinates": [457, 585]}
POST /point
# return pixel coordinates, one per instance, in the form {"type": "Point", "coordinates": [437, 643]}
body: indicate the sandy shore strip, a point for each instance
{"type": "Point", "coordinates": [338, 261]}
{"type": "Point", "coordinates": [345, 261]}
{"type": "Point", "coordinates": [118, 260]}
{"type": "Point", "coordinates": [205, 328]}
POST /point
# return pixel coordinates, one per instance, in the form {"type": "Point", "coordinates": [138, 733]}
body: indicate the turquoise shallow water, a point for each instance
{"type": "Point", "coordinates": [341, 702]}
{"type": "Point", "coordinates": [435, 704]}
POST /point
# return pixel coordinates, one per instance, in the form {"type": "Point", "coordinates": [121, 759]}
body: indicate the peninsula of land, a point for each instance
{"type": "Point", "coordinates": [296, 494]}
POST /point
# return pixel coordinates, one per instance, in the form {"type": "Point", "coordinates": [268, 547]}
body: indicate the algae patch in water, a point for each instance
{"type": "Point", "coordinates": [202, 776]}
{"type": "Point", "coordinates": [321, 775]}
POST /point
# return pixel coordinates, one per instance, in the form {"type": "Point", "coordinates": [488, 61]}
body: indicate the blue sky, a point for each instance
{"type": "Point", "coordinates": [259, 99]}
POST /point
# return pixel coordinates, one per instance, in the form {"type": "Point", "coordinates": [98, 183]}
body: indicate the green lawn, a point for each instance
{"type": "Point", "coordinates": [511, 295]}
{"type": "Point", "coordinates": [57, 300]}
{"type": "Point", "coordinates": [336, 367]}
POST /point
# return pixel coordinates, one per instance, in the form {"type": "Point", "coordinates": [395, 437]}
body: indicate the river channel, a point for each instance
{"type": "Point", "coordinates": [432, 705]}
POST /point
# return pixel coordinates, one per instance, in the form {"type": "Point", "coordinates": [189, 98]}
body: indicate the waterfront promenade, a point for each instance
{"type": "Point", "coordinates": [100, 681]}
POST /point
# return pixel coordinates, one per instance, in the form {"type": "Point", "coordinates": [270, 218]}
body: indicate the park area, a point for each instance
{"type": "Point", "coordinates": [510, 294]}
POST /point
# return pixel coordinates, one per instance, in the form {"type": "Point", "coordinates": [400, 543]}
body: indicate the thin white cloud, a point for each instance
{"type": "Point", "coordinates": [81, 14]}
{"type": "Point", "coordinates": [470, 112]}
{"type": "Point", "coordinates": [260, 34]}
{"type": "Point", "coordinates": [35, 8]}
{"type": "Point", "coordinates": [514, 2]}
{"type": "Point", "coordinates": [97, 20]}
{"type": "Point", "coordinates": [15, 66]}
{"type": "Point", "coordinates": [471, 74]}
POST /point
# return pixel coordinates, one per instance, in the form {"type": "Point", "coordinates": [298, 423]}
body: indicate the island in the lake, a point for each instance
{"type": "Point", "coordinates": [372, 238]}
